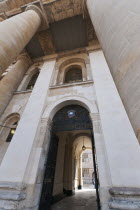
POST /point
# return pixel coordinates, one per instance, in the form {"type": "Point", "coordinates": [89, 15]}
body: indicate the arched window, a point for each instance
{"type": "Point", "coordinates": [73, 75]}
{"type": "Point", "coordinates": [12, 132]}
{"type": "Point", "coordinates": [8, 127]}
{"type": "Point", "coordinates": [32, 81]}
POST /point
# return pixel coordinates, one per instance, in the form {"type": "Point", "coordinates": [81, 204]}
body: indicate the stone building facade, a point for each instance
{"type": "Point", "coordinates": [87, 168]}
{"type": "Point", "coordinates": [69, 69]}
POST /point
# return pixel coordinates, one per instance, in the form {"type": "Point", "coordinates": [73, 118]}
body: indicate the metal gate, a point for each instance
{"type": "Point", "coordinates": [95, 171]}
{"type": "Point", "coordinates": [47, 189]}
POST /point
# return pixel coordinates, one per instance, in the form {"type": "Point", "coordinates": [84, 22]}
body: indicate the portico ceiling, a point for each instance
{"type": "Point", "coordinates": [55, 38]}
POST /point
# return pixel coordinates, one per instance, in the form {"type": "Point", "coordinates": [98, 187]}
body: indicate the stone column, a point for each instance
{"type": "Point", "coordinates": [80, 185]}
{"type": "Point", "coordinates": [117, 27]}
{"type": "Point", "coordinates": [21, 146]}
{"type": "Point", "coordinates": [121, 145]}
{"type": "Point", "coordinates": [11, 81]}
{"type": "Point", "coordinates": [16, 32]}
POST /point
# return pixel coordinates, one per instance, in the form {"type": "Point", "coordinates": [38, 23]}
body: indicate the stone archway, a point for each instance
{"type": "Point", "coordinates": [68, 121]}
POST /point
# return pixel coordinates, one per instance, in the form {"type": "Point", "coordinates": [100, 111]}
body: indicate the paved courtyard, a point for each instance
{"type": "Point", "coordinates": [82, 200]}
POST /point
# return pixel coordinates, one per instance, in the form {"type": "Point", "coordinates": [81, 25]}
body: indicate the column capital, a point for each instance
{"type": "Point", "coordinates": [39, 12]}
{"type": "Point", "coordinates": [25, 57]}
{"type": "Point", "coordinates": [15, 33]}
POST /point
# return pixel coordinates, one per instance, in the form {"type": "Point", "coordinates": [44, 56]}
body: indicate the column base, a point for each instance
{"type": "Point", "coordinates": [68, 192]}
{"type": "Point", "coordinates": [11, 194]}
{"type": "Point", "coordinates": [79, 187]}
{"type": "Point", "coordinates": [124, 198]}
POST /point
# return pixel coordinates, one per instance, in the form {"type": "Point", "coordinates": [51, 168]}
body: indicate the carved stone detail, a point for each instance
{"type": "Point", "coordinates": [95, 117]}
{"type": "Point", "coordinates": [39, 12]}
{"type": "Point", "coordinates": [47, 121]}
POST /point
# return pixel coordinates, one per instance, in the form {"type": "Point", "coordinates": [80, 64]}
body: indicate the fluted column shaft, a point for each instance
{"type": "Point", "coordinates": [15, 33]}
{"type": "Point", "coordinates": [11, 81]}
{"type": "Point", "coordinates": [117, 25]}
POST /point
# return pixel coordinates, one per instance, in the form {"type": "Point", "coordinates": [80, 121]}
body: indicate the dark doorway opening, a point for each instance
{"type": "Point", "coordinates": [68, 122]}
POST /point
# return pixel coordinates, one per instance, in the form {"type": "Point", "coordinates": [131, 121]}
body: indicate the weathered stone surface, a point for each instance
{"type": "Point", "coordinates": [117, 25]}
{"type": "Point", "coordinates": [124, 198]}
{"type": "Point", "coordinates": [124, 191]}
{"type": "Point", "coordinates": [12, 195]}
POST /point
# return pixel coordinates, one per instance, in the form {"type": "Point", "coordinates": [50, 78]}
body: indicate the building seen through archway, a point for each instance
{"type": "Point", "coordinates": [87, 169]}
{"type": "Point", "coordinates": [71, 136]}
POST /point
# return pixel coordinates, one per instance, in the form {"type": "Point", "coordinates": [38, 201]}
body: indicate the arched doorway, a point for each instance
{"type": "Point", "coordinates": [69, 122]}
{"type": "Point", "coordinates": [88, 176]}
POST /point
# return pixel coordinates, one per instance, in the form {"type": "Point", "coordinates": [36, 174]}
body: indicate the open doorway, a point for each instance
{"type": "Point", "coordinates": [71, 137]}
{"type": "Point", "coordinates": [88, 169]}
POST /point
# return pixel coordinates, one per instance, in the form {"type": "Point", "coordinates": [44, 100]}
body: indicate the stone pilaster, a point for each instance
{"type": "Point", "coordinates": [21, 146]}
{"type": "Point", "coordinates": [11, 81]}
{"type": "Point", "coordinates": [24, 148]}
{"type": "Point", "coordinates": [95, 117]}
{"type": "Point", "coordinates": [102, 162]}
{"type": "Point", "coordinates": [16, 32]}
{"type": "Point", "coordinates": [121, 148]}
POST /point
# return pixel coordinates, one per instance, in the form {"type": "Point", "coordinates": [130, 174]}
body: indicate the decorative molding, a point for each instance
{"type": "Point", "coordinates": [72, 84]}
{"type": "Point", "coordinates": [95, 117]}
{"type": "Point", "coordinates": [12, 186]}
{"type": "Point", "coordinates": [46, 122]}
